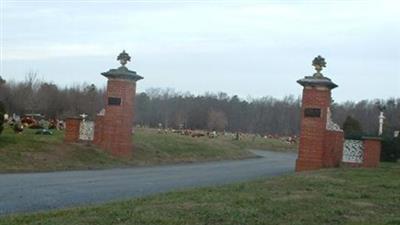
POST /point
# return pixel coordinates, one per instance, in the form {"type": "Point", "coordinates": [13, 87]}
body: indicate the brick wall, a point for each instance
{"type": "Point", "coordinates": [371, 150]}
{"type": "Point", "coordinates": [72, 130]}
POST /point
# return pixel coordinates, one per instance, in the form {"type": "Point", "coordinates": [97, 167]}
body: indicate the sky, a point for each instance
{"type": "Point", "coordinates": [245, 48]}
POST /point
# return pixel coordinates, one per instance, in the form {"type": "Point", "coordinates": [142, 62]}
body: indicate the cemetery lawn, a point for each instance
{"type": "Point", "coordinates": [333, 196]}
{"type": "Point", "coordinates": [155, 148]}
{"type": "Point", "coordinates": [28, 152]}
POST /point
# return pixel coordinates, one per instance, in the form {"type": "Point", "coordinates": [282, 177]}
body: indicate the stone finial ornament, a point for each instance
{"type": "Point", "coordinates": [122, 72]}
{"type": "Point", "coordinates": [123, 58]}
{"type": "Point", "coordinates": [318, 63]}
{"type": "Point", "coordinates": [317, 79]}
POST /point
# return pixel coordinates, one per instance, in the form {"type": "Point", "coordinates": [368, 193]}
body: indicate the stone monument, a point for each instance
{"type": "Point", "coordinates": [114, 124]}
{"type": "Point", "coordinates": [321, 140]}
{"type": "Point", "coordinates": [381, 118]}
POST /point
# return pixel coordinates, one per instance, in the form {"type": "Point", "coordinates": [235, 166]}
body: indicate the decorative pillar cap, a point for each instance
{"type": "Point", "coordinates": [317, 79]}
{"type": "Point", "coordinates": [122, 72]}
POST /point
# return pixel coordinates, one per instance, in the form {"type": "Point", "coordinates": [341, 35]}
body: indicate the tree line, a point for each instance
{"type": "Point", "coordinates": [36, 96]}
{"type": "Point", "coordinates": [171, 109]}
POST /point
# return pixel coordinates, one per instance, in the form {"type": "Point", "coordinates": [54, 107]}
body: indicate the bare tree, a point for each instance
{"type": "Point", "coordinates": [266, 115]}
{"type": "Point", "coordinates": [217, 120]}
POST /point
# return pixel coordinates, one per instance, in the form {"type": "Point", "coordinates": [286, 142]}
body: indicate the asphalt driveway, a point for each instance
{"type": "Point", "coordinates": [33, 192]}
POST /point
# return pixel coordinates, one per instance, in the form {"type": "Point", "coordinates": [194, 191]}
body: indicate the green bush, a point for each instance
{"type": "Point", "coordinates": [2, 112]}
{"type": "Point", "coordinates": [352, 128]}
{"type": "Point", "coordinates": [390, 149]}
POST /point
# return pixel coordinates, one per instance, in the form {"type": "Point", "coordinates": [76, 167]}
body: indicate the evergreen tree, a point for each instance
{"type": "Point", "coordinates": [352, 128]}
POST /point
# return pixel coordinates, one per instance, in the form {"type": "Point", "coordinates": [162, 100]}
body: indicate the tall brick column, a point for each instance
{"type": "Point", "coordinates": [321, 140]}
{"type": "Point", "coordinates": [114, 132]}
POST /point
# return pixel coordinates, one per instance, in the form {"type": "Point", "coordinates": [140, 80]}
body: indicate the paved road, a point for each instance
{"type": "Point", "coordinates": [43, 191]}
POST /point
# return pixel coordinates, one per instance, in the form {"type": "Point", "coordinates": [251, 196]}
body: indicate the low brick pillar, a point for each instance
{"type": "Point", "coordinates": [333, 148]}
{"type": "Point", "coordinates": [98, 130]}
{"type": "Point", "coordinates": [372, 151]}
{"type": "Point", "coordinates": [72, 130]}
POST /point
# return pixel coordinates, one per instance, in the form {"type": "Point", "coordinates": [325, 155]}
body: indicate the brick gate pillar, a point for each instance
{"type": "Point", "coordinates": [72, 126]}
{"type": "Point", "coordinates": [117, 122]}
{"type": "Point", "coordinates": [372, 151]}
{"type": "Point", "coordinates": [321, 141]}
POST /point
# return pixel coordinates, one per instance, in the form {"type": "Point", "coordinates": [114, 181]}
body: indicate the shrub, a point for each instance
{"type": "Point", "coordinates": [352, 128]}
{"type": "Point", "coordinates": [390, 149]}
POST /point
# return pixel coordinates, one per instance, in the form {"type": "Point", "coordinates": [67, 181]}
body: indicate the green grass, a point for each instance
{"type": "Point", "coordinates": [334, 197]}
{"type": "Point", "coordinates": [259, 143]}
{"type": "Point", "coordinates": [28, 152]}
{"type": "Point", "coordinates": [152, 146]}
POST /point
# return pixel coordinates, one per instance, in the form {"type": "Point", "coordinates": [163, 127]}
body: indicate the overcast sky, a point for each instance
{"type": "Point", "coordinates": [248, 48]}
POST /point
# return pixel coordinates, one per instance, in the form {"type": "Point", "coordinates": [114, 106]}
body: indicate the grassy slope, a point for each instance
{"type": "Point", "coordinates": [155, 148]}
{"type": "Point", "coordinates": [337, 196]}
{"type": "Point", "coordinates": [30, 152]}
